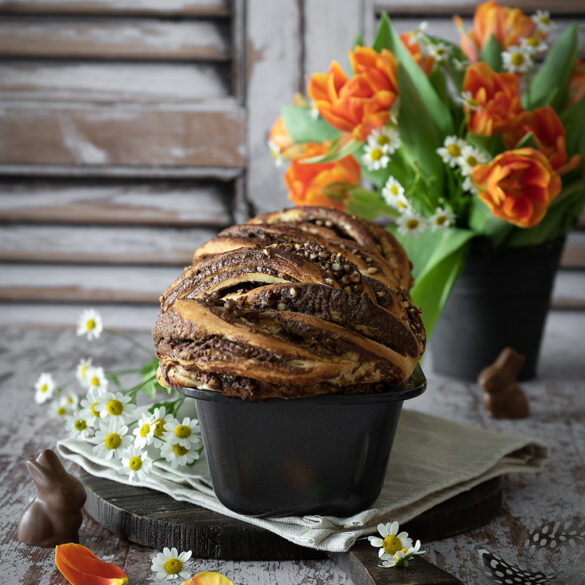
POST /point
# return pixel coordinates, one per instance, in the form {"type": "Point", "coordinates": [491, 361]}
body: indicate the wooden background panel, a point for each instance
{"type": "Point", "coordinates": [122, 135]}
{"type": "Point", "coordinates": [168, 203]}
{"type": "Point", "coordinates": [102, 38]}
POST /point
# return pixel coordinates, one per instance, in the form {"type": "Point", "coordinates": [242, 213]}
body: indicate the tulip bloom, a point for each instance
{"type": "Point", "coordinates": [517, 186]}
{"type": "Point", "coordinates": [308, 183]}
{"type": "Point", "coordinates": [415, 50]}
{"type": "Point", "coordinates": [208, 578]}
{"type": "Point", "coordinates": [362, 103]}
{"type": "Point", "coordinates": [81, 567]}
{"type": "Point", "coordinates": [508, 25]}
{"type": "Point", "coordinates": [576, 87]}
{"type": "Point", "coordinates": [494, 101]}
{"type": "Point", "coordinates": [281, 140]}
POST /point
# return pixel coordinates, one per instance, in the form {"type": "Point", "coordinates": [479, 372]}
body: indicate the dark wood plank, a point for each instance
{"type": "Point", "coordinates": [574, 252]}
{"type": "Point", "coordinates": [114, 39]}
{"type": "Point", "coordinates": [206, 135]}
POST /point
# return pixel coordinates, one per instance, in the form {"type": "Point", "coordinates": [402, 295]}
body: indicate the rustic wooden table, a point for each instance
{"type": "Point", "coordinates": [557, 400]}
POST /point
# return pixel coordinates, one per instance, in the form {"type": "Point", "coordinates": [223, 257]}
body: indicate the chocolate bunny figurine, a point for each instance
{"type": "Point", "coordinates": [502, 397]}
{"type": "Point", "coordinates": [54, 516]}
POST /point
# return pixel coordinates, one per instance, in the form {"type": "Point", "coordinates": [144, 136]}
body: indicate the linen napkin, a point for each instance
{"type": "Point", "coordinates": [432, 460]}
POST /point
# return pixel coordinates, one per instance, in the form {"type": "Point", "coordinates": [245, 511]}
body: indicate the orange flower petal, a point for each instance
{"type": "Point", "coordinates": [81, 567]}
{"type": "Point", "coordinates": [208, 578]}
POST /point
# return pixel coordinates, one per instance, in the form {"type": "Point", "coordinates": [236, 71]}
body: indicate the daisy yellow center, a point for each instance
{"type": "Point", "coordinates": [391, 544]}
{"type": "Point", "coordinates": [441, 219]}
{"type": "Point", "coordinates": [517, 59]}
{"type": "Point", "coordinates": [439, 52]}
{"type": "Point", "coordinates": [179, 450]}
{"type": "Point", "coordinates": [83, 370]}
{"type": "Point", "coordinates": [401, 204]}
{"type": "Point", "coordinates": [412, 224]}
{"type": "Point", "coordinates": [275, 152]}
{"type": "Point", "coordinates": [144, 430]}
{"type": "Point", "coordinates": [532, 42]}
{"type": "Point", "coordinates": [114, 407]}
{"type": "Point", "coordinates": [94, 381]}
{"type": "Point", "coordinates": [112, 441]}
{"type": "Point", "coordinates": [394, 190]}
{"type": "Point", "coordinates": [80, 425]}
{"type": "Point", "coordinates": [44, 387]}
{"type": "Point", "coordinates": [90, 324]}
{"type": "Point", "coordinates": [544, 20]}
{"type": "Point", "coordinates": [135, 463]}
{"type": "Point", "coordinates": [159, 427]}
{"type": "Point", "coordinates": [61, 411]}
{"type": "Point", "coordinates": [182, 431]}
{"type": "Point", "coordinates": [376, 154]}
{"type": "Point", "coordinates": [454, 150]}
{"type": "Point", "coordinates": [471, 160]}
{"type": "Point", "coordinates": [173, 566]}
{"type": "Point", "coordinates": [383, 140]}
{"type": "Point", "coordinates": [471, 102]}
{"type": "Point", "coordinates": [69, 399]}
{"type": "Point", "coordinates": [93, 410]}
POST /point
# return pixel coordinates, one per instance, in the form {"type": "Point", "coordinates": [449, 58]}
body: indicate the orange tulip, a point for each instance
{"type": "Point", "coordinates": [208, 578]}
{"type": "Point", "coordinates": [576, 87]}
{"type": "Point", "coordinates": [362, 103]}
{"type": "Point", "coordinates": [414, 49]}
{"type": "Point", "coordinates": [81, 567]}
{"type": "Point", "coordinates": [508, 25]}
{"type": "Point", "coordinates": [308, 183]}
{"type": "Point", "coordinates": [517, 186]}
{"type": "Point", "coordinates": [549, 134]}
{"type": "Point", "coordinates": [281, 141]}
{"type": "Point", "coordinates": [495, 100]}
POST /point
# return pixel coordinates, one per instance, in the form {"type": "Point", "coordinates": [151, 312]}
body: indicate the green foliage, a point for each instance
{"type": "Point", "coordinates": [491, 53]}
{"type": "Point", "coordinates": [338, 148]}
{"type": "Point", "coordinates": [302, 128]}
{"type": "Point", "coordinates": [368, 204]}
{"type": "Point", "coordinates": [147, 374]}
{"type": "Point", "coordinates": [574, 121]}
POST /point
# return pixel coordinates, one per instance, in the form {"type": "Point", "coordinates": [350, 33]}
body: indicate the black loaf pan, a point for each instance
{"type": "Point", "coordinates": [321, 455]}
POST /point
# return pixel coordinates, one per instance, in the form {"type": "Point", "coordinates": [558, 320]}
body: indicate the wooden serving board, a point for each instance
{"type": "Point", "coordinates": [154, 519]}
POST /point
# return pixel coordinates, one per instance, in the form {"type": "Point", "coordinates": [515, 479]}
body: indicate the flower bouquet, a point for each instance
{"type": "Point", "coordinates": [446, 144]}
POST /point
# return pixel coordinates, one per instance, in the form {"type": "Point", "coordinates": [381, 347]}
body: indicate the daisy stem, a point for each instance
{"type": "Point", "coordinates": [65, 384]}
{"type": "Point", "coordinates": [134, 390]}
{"type": "Point", "coordinates": [130, 339]}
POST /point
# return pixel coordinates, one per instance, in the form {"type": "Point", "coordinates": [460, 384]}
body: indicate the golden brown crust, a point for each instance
{"type": "Point", "coordinates": [302, 302]}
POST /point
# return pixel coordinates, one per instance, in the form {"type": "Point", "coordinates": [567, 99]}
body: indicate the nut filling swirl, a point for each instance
{"type": "Point", "coordinates": [298, 303]}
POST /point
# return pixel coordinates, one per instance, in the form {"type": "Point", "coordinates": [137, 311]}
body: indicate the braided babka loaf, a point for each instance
{"type": "Point", "coordinates": [302, 302]}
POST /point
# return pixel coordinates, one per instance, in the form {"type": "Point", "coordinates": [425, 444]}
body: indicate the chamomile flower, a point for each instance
{"type": "Point", "coordinates": [144, 431]}
{"type": "Point", "coordinates": [178, 455]}
{"type": "Point", "coordinates": [96, 379]}
{"type": "Point", "coordinates": [385, 138]}
{"type": "Point", "coordinates": [392, 541]}
{"type": "Point", "coordinates": [470, 158]}
{"type": "Point", "coordinates": [90, 324]}
{"type": "Point", "coordinates": [517, 59]}
{"type": "Point", "coordinates": [81, 371]}
{"type": "Point", "coordinates": [393, 192]}
{"type": "Point", "coordinates": [469, 186]}
{"type": "Point", "coordinates": [88, 405]}
{"type": "Point", "coordinates": [78, 427]}
{"type": "Point", "coordinates": [314, 112]}
{"type": "Point", "coordinates": [451, 150]}
{"type": "Point", "coordinates": [45, 388]}
{"type": "Point", "coordinates": [410, 223]}
{"type": "Point", "coordinates": [70, 399]}
{"type": "Point", "coordinates": [401, 557]}
{"type": "Point", "coordinates": [441, 219]}
{"type": "Point", "coordinates": [186, 433]}
{"type": "Point", "coordinates": [543, 22]}
{"type": "Point", "coordinates": [375, 158]}
{"type": "Point", "coordinates": [460, 65]}
{"type": "Point", "coordinates": [418, 34]}
{"type": "Point", "coordinates": [61, 408]}
{"type": "Point", "coordinates": [276, 153]}
{"type": "Point", "coordinates": [169, 564]}
{"type": "Point", "coordinates": [136, 463]}
{"type": "Point", "coordinates": [115, 405]}
{"type": "Point", "coordinates": [468, 100]}
{"type": "Point", "coordinates": [162, 421]}
{"type": "Point", "coordinates": [111, 439]}
{"type": "Point", "coordinates": [439, 52]}
{"type": "Point", "coordinates": [533, 45]}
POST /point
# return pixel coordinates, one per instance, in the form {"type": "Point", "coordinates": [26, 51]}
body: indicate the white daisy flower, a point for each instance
{"type": "Point", "coordinates": [375, 158]}
{"type": "Point", "coordinates": [392, 541]}
{"type": "Point", "coordinates": [116, 405]}
{"type": "Point", "coordinates": [533, 45]}
{"type": "Point", "coordinates": [470, 158]}
{"type": "Point", "coordinates": [469, 186]}
{"type": "Point", "coordinates": [169, 564]}
{"type": "Point", "coordinates": [460, 65]}
{"type": "Point", "coordinates": [468, 100]}
{"type": "Point", "coordinates": [90, 324]}
{"type": "Point", "coordinates": [451, 150]}
{"type": "Point", "coordinates": [439, 51]}
{"type": "Point", "coordinates": [136, 463]}
{"type": "Point", "coordinates": [161, 421]}
{"type": "Point", "coordinates": [81, 371]}
{"type": "Point", "coordinates": [441, 219]}
{"type": "Point", "coordinates": [314, 112]}
{"type": "Point", "coordinates": [418, 34]}
{"type": "Point", "coordinates": [276, 154]}
{"type": "Point", "coordinates": [410, 223]}
{"type": "Point", "coordinates": [392, 192]}
{"type": "Point", "coordinates": [78, 427]}
{"type": "Point", "coordinates": [401, 557]}
{"type": "Point", "coordinates": [70, 399]}
{"type": "Point", "coordinates": [96, 379]}
{"type": "Point", "coordinates": [88, 405]}
{"type": "Point", "coordinates": [111, 439]}
{"type": "Point", "coordinates": [517, 60]}
{"type": "Point", "coordinates": [178, 455]}
{"type": "Point", "coordinates": [61, 408]}
{"type": "Point", "coordinates": [186, 434]}
{"type": "Point", "coordinates": [144, 431]}
{"type": "Point", "coordinates": [543, 22]}
{"type": "Point", "coordinates": [385, 138]}
{"type": "Point", "coordinates": [45, 388]}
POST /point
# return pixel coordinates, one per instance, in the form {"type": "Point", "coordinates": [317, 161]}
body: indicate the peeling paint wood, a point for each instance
{"type": "Point", "coordinates": [112, 82]}
{"type": "Point", "coordinates": [210, 134]}
{"type": "Point", "coordinates": [162, 203]}
{"type": "Point", "coordinates": [104, 38]}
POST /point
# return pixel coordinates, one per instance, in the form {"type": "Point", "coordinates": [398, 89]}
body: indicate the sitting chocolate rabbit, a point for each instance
{"type": "Point", "coordinates": [502, 397]}
{"type": "Point", "coordinates": [54, 516]}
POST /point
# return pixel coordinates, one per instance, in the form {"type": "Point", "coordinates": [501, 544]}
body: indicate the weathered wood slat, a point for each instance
{"type": "Point", "coordinates": [569, 290]}
{"type": "Point", "coordinates": [113, 82]}
{"type": "Point", "coordinates": [178, 203]}
{"type": "Point", "coordinates": [121, 7]}
{"type": "Point", "coordinates": [82, 244]}
{"type": "Point", "coordinates": [468, 7]}
{"type": "Point", "coordinates": [119, 39]}
{"type": "Point", "coordinates": [209, 134]}
{"type": "Point", "coordinates": [574, 252]}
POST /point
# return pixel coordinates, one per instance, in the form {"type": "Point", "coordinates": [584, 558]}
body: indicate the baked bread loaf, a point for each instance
{"type": "Point", "coordinates": [302, 302]}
